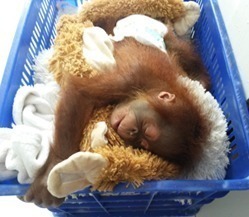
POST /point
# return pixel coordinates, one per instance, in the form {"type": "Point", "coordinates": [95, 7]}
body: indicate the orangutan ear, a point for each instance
{"type": "Point", "coordinates": [166, 96]}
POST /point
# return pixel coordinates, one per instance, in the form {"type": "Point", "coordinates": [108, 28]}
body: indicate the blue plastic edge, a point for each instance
{"type": "Point", "coordinates": [155, 186]}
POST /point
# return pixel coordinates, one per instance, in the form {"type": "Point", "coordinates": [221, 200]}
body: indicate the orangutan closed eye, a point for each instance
{"type": "Point", "coordinates": [140, 125]}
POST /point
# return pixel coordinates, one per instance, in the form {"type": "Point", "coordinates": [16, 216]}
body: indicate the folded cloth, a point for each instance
{"type": "Point", "coordinates": [34, 105]}
{"type": "Point", "coordinates": [24, 150]}
{"type": "Point", "coordinates": [98, 48]}
{"type": "Point", "coordinates": [144, 29]}
{"type": "Point", "coordinates": [5, 136]}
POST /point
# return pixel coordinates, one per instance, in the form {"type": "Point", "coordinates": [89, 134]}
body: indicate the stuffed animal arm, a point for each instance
{"type": "Point", "coordinates": [103, 165]}
{"type": "Point", "coordinates": [185, 23]}
{"type": "Point", "coordinates": [81, 169]}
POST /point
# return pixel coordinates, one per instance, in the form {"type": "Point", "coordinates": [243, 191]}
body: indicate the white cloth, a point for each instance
{"type": "Point", "coordinates": [5, 136]}
{"type": "Point", "coordinates": [98, 48]}
{"type": "Point", "coordinates": [144, 29]}
{"type": "Point", "coordinates": [25, 148]}
{"type": "Point", "coordinates": [23, 151]}
{"type": "Point", "coordinates": [34, 105]}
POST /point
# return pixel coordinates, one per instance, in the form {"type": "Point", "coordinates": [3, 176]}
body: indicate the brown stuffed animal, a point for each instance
{"type": "Point", "coordinates": [68, 56]}
{"type": "Point", "coordinates": [105, 160]}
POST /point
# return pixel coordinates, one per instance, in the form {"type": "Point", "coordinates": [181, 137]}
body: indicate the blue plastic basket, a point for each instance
{"type": "Point", "coordinates": [156, 198]}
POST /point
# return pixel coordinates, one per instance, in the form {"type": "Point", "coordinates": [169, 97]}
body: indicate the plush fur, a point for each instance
{"type": "Point", "coordinates": [68, 56]}
{"type": "Point", "coordinates": [105, 13]}
{"type": "Point", "coordinates": [126, 164]}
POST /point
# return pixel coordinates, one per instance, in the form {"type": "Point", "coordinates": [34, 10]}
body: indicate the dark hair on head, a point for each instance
{"type": "Point", "coordinates": [187, 123]}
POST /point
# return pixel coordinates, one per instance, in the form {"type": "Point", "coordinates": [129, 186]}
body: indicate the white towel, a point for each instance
{"type": "Point", "coordinates": [5, 136]}
{"type": "Point", "coordinates": [34, 105]}
{"type": "Point", "coordinates": [24, 150]}
{"type": "Point", "coordinates": [98, 48]}
{"type": "Point", "coordinates": [144, 29]}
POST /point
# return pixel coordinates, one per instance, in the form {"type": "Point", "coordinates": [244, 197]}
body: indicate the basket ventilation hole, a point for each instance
{"type": "Point", "coordinates": [229, 131]}
{"type": "Point", "coordinates": [232, 139]}
{"type": "Point", "coordinates": [223, 101]}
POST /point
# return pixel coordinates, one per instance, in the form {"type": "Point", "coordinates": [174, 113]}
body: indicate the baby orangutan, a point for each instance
{"type": "Point", "coordinates": [139, 125]}
{"type": "Point", "coordinates": [153, 111]}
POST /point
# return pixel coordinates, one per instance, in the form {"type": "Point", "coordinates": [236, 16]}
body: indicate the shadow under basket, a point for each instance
{"type": "Point", "coordinates": [36, 32]}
